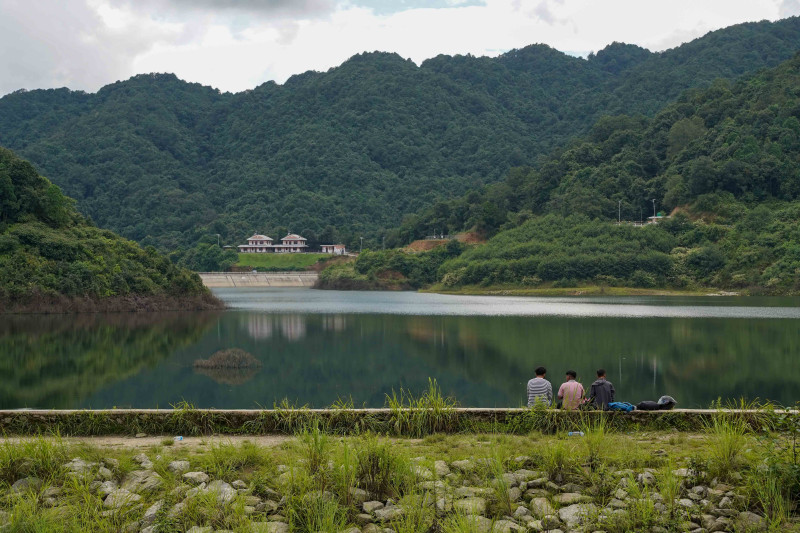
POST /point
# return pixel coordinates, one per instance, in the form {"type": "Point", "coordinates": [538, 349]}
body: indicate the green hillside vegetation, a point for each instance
{"type": "Point", "coordinates": [729, 155]}
{"type": "Point", "coordinates": [51, 259]}
{"type": "Point", "coordinates": [347, 153]}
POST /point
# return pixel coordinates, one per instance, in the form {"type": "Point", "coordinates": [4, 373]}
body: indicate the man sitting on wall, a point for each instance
{"type": "Point", "coordinates": [539, 389]}
{"type": "Point", "coordinates": [571, 392]}
{"type": "Point", "coordinates": [602, 391]}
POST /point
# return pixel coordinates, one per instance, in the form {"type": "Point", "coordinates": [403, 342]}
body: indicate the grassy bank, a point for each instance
{"type": "Point", "coordinates": [277, 262]}
{"type": "Point", "coordinates": [585, 290]}
{"type": "Point", "coordinates": [723, 477]}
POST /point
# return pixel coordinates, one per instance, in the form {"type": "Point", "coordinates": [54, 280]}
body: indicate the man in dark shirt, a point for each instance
{"type": "Point", "coordinates": [602, 391]}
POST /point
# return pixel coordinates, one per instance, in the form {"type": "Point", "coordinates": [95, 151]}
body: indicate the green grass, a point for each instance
{"type": "Point", "coordinates": [280, 261]}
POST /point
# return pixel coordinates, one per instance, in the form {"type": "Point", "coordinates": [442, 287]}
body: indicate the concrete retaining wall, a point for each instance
{"type": "Point", "coordinates": [214, 280]}
{"type": "Point", "coordinates": [413, 422]}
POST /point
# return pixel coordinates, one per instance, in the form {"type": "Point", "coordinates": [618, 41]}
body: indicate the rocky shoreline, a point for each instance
{"type": "Point", "coordinates": [303, 485]}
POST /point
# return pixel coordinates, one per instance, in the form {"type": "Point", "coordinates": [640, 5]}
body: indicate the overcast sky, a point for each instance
{"type": "Point", "coordinates": [235, 45]}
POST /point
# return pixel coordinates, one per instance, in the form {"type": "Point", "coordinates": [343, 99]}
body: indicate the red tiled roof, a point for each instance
{"type": "Point", "coordinates": [294, 237]}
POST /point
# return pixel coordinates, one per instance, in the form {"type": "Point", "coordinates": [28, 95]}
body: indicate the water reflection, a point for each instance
{"type": "Point", "coordinates": [315, 358]}
{"type": "Point", "coordinates": [291, 327]}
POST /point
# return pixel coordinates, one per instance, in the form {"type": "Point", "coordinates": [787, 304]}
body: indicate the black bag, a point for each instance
{"type": "Point", "coordinates": [648, 406]}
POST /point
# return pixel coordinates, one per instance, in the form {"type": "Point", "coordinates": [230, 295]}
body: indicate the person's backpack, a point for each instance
{"type": "Point", "coordinates": [621, 406]}
{"type": "Point", "coordinates": [647, 406]}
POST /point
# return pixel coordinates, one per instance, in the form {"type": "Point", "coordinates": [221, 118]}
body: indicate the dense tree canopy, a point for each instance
{"type": "Point", "coordinates": [349, 152]}
{"type": "Point", "coordinates": [725, 161]}
{"type": "Point", "coordinates": [48, 250]}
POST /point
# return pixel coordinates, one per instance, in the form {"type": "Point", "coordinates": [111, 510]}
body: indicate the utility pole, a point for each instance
{"type": "Point", "coordinates": [619, 211]}
{"type": "Point", "coordinates": [654, 209]}
{"type": "Point", "coordinates": [217, 234]}
{"type": "Point", "coordinates": [362, 244]}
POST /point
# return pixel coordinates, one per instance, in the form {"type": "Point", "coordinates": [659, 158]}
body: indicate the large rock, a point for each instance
{"type": "Point", "coordinates": [79, 466]}
{"type": "Point", "coordinates": [179, 467]}
{"type": "Point", "coordinates": [120, 498]}
{"type": "Point", "coordinates": [269, 527]}
{"type": "Point", "coordinates": [371, 507]}
{"type": "Point", "coordinates": [387, 514]}
{"type": "Point", "coordinates": [751, 521]}
{"type": "Point", "coordinates": [464, 465]}
{"type": "Point", "coordinates": [106, 488]}
{"type": "Point", "coordinates": [151, 513]}
{"type": "Point", "coordinates": [224, 491]}
{"type": "Point", "coordinates": [540, 507]}
{"type": "Point", "coordinates": [527, 475]}
{"type": "Point", "coordinates": [575, 515]}
{"type": "Point", "coordinates": [569, 498]}
{"type": "Point", "coordinates": [472, 505]}
{"type": "Point", "coordinates": [142, 481]}
{"type": "Point", "coordinates": [478, 524]}
{"type": "Point", "coordinates": [506, 526]}
{"type": "Point", "coordinates": [441, 468]}
{"type": "Point", "coordinates": [196, 478]}
{"type": "Point", "coordinates": [26, 484]}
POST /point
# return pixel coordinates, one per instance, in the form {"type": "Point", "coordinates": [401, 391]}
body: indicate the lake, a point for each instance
{"type": "Point", "coordinates": [319, 346]}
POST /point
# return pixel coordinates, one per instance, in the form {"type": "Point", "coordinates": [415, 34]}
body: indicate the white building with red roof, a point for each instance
{"type": "Point", "coordinates": [292, 243]}
{"type": "Point", "coordinates": [261, 244]}
{"type": "Point", "coordinates": [257, 244]}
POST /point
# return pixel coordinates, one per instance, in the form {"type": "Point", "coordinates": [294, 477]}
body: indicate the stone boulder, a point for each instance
{"type": "Point", "coordinates": [574, 515]}
{"type": "Point", "coordinates": [120, 498]}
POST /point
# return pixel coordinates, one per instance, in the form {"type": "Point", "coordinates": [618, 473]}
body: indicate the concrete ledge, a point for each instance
{"type": "Point", "coordinates": [410, 422]}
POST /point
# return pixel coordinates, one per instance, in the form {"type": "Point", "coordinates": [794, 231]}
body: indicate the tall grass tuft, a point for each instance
{"type": "Point", "coordinates": [557, 460]}
{"type": "Point", "coordinates": [725, 443]}
{"type": "Point", "coordinates": [316, 448]}
{"type": "Point", "coordinates": [226, 460]}
{"type": "Point", "coordinates": [39, 457]}
{"type": "Point", "coordinates": [595, 440]}
{"type": "Point", "coordinates": [418, 514]}
{"type": "Point", "coordinates": [768, 489]}
{"type": "Point", "coordinates": [417, 417]}
{"type": "Point", "coordinates": [500, 486]}
{"type": "Point", "coordinates": [670, 487]}
{"type": "Point", "coordinates": [379, 471]}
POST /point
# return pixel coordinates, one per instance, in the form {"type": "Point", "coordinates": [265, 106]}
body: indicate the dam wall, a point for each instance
{"type": "Point", "coordinates": [402, 421]}
{"type": "Point", "coordinates": [216, 280]}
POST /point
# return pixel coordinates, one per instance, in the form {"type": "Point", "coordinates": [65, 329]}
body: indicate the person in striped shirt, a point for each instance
{"type": "Point", "coordinates": [539, 389]}
{"type": "Point", "coordinates": [571, 392]}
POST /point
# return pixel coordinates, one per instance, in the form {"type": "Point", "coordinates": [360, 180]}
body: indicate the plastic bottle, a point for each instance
{"type": "Point", "coordinates": [575, 434]}
{"type": "Point", "coordinates": [179, 437]}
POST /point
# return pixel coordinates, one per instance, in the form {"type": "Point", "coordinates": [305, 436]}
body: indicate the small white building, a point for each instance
{"type": "Point", "coordinates": [335, 249]}
{"type": "Point", "coordinates": [292, 243]}
{"type": "Point", "coordinates": [257, 244]}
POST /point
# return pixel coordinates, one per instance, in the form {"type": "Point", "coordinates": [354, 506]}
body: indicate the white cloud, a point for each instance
{"type": "Point", "coordinates": [236, 45]}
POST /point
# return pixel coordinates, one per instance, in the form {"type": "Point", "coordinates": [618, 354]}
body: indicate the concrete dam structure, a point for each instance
{"type": "Point", "coordinates": [216, 280]}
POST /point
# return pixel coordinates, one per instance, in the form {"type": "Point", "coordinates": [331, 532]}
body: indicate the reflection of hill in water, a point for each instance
{"type": "Point", "coordinates": [482, 361]}
{"type": "Point", "coordinates": [56, 361]}
{"type": "Point", "coordinates": [229, 376]}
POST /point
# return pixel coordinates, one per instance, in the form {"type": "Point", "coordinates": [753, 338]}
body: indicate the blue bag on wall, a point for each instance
{"type": "Point", "coordinates": [620, 406]}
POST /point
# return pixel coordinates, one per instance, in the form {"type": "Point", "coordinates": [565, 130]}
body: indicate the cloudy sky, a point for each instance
{"type": "Point", "coordinates": [237, 44]}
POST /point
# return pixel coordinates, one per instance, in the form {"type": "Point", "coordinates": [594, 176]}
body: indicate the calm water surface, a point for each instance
{"type": "Point", "coordinates": [317, 346]}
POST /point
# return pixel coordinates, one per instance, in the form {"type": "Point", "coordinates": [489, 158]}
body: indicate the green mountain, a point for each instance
{"type": "Point", "coordinates": [725, 161]}
{"type": "Point", "coordinates": [51, 259]}
{"type": "Point", "coordinates": [348, 152]}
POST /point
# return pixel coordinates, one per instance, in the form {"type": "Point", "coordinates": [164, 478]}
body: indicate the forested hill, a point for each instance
{"type": "Point", "coordinates": [51, 260]}
{"type": "Point", "coordinates": [725, 161]}
{"type": "Point", "coordinates": [348, 152]}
